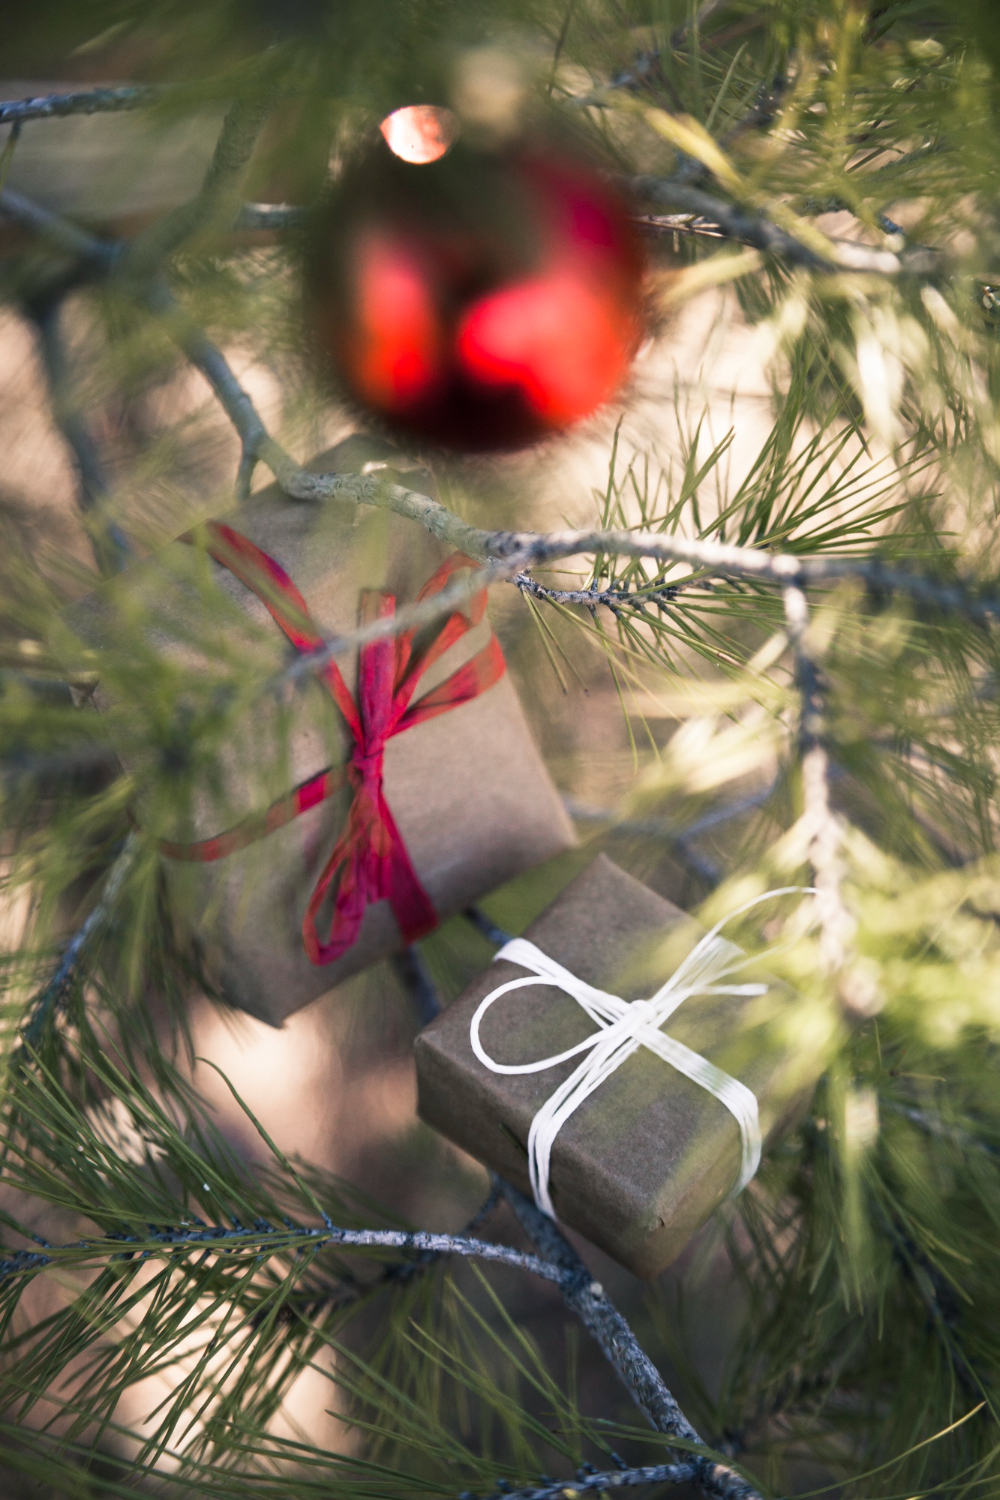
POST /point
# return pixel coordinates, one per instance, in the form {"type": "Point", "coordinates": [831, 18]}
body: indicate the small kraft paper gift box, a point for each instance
{"type": "Point", "coordinates": [404, 783]}
{"type": "Point", "coordinates": [614, 1064]}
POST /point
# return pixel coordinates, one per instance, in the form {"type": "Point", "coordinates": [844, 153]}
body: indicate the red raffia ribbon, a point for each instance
{"type": "Point", "coordinates": [370, 861]}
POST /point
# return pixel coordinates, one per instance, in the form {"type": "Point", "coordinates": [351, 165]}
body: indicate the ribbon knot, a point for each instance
{"type": "Point", "coordinates": [370, 861]}
{"type": "Point", "coordinates": [367, 766]}
{"type": "Point", "coordinates": [622, 1027]}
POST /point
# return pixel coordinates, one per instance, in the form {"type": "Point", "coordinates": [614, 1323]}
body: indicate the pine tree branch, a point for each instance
{"type": "Point", "coordinates": [266, 1239]}
{"type": "Point", "coordinates": [512, 551]}
{"type": "Point", "coordinates": [509, 553]}
{"type": "Point", "coordinates": [702, 213]}
{"type": "Point", "coordinates": [621, 1348]}
{"type": "Point", "coordinates": [931, 1123]}
{"type": "Point", "coordinates": [156, 296]}
{"type": "Point", "coordinates": [835, 923]}
{"type": "Point", "coordinates": [646, 68]}
{"type": "Point", "coordinates": [233, 150]}
{"type": "Point", "coordinates": [657, 593]}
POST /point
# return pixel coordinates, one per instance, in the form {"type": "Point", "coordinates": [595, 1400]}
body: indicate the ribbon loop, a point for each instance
{"type": "Point", "coordinates": [370, 861]}
{"type": "Point", "coordinates": [622, 1028]}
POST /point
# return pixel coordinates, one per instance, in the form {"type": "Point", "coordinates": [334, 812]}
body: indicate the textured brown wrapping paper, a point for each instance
{"type": "Point", "coordinates": [468, 789]}
{"type": "Point", "coordinates": [649, 1156]}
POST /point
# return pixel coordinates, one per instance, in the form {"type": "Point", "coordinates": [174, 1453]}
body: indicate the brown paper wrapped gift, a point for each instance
{"type": "Point", "coordinates": [649, 1155]}
{"type": "Point", "coordinates": [469, 802]}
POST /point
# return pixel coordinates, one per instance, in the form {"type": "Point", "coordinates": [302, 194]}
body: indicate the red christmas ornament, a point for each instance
{"type": "Point", "coordinates": [481, 299]}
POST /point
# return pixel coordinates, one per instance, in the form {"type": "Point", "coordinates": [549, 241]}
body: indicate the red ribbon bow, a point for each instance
{"type": "Point", "coordinates": [370, 861]}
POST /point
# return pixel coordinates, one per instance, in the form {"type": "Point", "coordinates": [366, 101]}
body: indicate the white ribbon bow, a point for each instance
{"type": "Point", "coordinates": [623, 1028]}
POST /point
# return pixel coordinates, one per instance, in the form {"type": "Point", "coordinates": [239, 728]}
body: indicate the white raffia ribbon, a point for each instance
{"type": "Point", "coordinates": [624, 1027]}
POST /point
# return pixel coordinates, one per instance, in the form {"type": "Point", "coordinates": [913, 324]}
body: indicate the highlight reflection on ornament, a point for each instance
{"type": "Point", "coordinates": [420, 133]}
{"type": "Point", "coordinates": [482, 299]}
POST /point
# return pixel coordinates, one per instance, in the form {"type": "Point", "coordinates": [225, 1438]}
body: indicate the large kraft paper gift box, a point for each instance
{"type": "Point", "coordinates": [274, 883]}
{"type": "Point", "coordinates": [649, 1154]}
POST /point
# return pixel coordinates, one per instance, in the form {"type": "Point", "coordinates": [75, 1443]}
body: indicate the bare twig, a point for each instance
{"type": "Point", "coordinates": [836, 924]}
{"type": "Point", "coordinates": [584, 1483]}
{"type": "Point", "coordinates": [255, 440]}
{"type": "Point", "coordinates": [649, 828]}
{"type": "Point", "coordinates": [86, 102]}
{"type": "Point", "coordinates": [657, 593]}
{"type": "Point", "coordinates": [54, 993]}
{"type": "Point", "coordinates": [484, 924]}
{"type": "Point", "coordinates": [271, 216]}
{"type": "Point", "coordinates": [750, 228]}
{"type": "Point", "coordinates": [268, 1239]}
{"type": "Point", "coordinates": [413, 971]}
{"type": "Point", "coordinates": [112, 549]}
{"type": "Point", "coordinates": [91, 253]}
{"type": "Point", "coordinates": [620, 1347]}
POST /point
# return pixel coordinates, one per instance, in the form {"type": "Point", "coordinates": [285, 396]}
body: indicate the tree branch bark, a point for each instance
{"type": "Point", "coordinates": [602, 1320]}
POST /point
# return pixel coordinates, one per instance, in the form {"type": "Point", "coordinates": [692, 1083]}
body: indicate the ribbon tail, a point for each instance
{"type": "Point", "coordinates": [588, 1076]}
{"type": "Point", "coordinates": [348, 907]}
{"type": "Point", "coordinates": [371, 867]}
{"type": "Point", "coordinates": [411, 906]}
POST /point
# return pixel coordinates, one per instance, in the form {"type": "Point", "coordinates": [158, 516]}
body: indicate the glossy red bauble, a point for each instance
{"type": "Point", "coordinates": [482, 300]}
